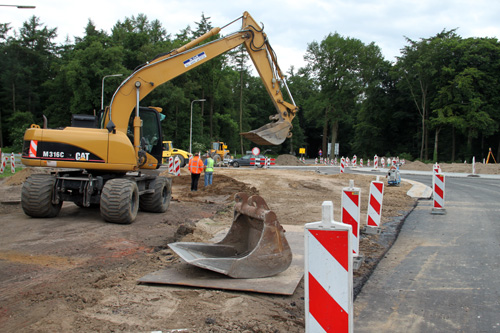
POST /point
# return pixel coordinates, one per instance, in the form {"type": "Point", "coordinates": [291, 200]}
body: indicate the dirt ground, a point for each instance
{"type": "Point", "coordinates": [77, 273]}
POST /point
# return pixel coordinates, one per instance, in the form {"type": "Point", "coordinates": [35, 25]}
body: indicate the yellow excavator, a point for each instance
{"type": "Point", "coordinates": [111, 160]}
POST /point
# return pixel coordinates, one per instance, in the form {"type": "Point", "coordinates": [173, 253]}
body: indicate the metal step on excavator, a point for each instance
{"type": "Point", "coordinates": [254, 247]}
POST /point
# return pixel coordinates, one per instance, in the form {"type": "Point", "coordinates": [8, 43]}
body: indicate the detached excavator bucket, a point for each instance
{"type": "Point", "coordinates": [270, 134]}
{"type": "Point", "coordinates": [254, 247]}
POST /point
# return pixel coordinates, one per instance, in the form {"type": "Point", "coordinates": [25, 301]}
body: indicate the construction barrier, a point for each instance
{"type": "Point", "coordinates": [328, 274]}
{"type": "Point", "coordinates": [375, 162]}
{"type": "Point", "coordinates": [375, 199]}
{"type": "Point", "coordinates": [354, 161]}
{"type": "Point", "coordinates": [351, 200]}
{"type": "Point", "coordinates": [438, 194]}
{"type": "Point", "coordinates": [269, 162]}
{"type": "Point", "coordinates": [177, 166]}
{"type": "Point", "coordinates": [342, 165]}
{"type": "Point", "coordinates": [382, 161]}
{"type": "Point", "coordinates": [171, 165]}
{"type": "Point", "coordinates": [12, 163]}
{"type": "Point", "coordinates": [361, 162]}
{"type": "Point", "coordinates": [3, 163]}
{"type": "Point", "coordinates": [347, 161]}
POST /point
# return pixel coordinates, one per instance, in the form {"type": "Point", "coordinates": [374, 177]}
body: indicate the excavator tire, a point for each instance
{"type": "Point", "coordinates": [158, 201]}
{"type": "Point", "coordinates": [36, 197]}
{"type": "Point", "coordinates": [119, 201]}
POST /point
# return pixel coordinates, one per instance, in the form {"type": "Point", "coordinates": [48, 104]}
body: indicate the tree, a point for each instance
{"type": "Point", "coordinates": [342, 67]}
{"type": "Point", "coordinates": [27, 62]}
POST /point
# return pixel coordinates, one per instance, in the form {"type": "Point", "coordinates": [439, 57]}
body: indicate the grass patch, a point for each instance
{"type": "Point", "coordinates": [7, 172]}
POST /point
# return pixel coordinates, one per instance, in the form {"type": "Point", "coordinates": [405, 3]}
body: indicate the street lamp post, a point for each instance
{"type": "Point", "coordinates": [19, 6]}
{"type": "Point", "coordinates": [191, 124]}
{"type": "Point", "coordinates": [102, 88]}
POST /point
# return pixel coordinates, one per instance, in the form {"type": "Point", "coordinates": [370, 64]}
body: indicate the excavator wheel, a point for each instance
{"type": "Point", "coordinates": [119, 201]}
{"type": "Point", "coordinates": [158, 201]}
{"type": "Point", "coordinates": [36, 196]}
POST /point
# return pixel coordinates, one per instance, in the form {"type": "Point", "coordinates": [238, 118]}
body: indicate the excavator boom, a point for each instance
{"type": "Point", "coordinates": [166, 67]}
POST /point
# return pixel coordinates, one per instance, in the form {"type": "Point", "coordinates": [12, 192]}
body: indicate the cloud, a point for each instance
{"type": "Point", "coordinates": [291, 25]}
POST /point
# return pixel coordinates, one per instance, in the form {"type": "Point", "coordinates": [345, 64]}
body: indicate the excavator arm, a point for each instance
{"type": "Point", "coordinates": [166, 67]}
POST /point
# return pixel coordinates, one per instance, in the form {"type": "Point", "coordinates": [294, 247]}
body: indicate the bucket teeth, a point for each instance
{"type": "Point", "coordinates": [254, 247]}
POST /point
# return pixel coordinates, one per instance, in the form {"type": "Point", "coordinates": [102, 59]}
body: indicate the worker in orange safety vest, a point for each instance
{"type": "Point", "coordinates": [195, 166]}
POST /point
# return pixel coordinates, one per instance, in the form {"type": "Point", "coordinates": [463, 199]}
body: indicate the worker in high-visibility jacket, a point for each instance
{"type": "Point", "coordinates": [196, 167]}
{"type": "Point", "coordinates": [209, 170]}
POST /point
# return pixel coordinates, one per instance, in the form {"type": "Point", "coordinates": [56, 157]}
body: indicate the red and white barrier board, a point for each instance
{"type": "Point", "coordinates": [375, 162]}
{"type": "Point", "coordinates": [351, 201]}
{"type": "Point", "coordinates": [342, 164]}
{"type": "Point", "coordinates": [375, 200]}
{"type": "Point", "coordinates": [33, 148]}
{"type": "Point", "coordinates": [328, 274]}
{"type": "Point", "coordinates": [438, 194]}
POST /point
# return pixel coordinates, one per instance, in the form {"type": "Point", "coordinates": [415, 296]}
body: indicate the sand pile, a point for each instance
{"type": "Point", "coordinates": [288, 160]}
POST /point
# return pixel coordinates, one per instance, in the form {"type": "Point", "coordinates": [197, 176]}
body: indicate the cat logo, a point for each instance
{"type": "Point", "coordinates": [82, 156]}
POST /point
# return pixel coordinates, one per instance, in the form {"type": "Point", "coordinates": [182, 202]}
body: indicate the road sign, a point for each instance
{"type": "Point", "coordinates": [255, 151]}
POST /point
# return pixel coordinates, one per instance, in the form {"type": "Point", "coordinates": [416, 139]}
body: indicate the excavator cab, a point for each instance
{"type": "Point", "coordinates": [151, 137]}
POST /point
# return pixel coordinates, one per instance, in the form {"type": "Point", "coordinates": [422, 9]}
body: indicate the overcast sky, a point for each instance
{"type": "Point", "coordinates": [290, 24]}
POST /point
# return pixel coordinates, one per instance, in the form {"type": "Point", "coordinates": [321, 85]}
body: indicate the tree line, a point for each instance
{"type": "Point", "coordinates": [438, 101]}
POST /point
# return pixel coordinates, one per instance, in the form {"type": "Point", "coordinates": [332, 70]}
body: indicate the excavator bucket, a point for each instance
{"type": "Point", "coordinates": [270, 134]}
{"type": "Point", "coordinates": [254, 247]}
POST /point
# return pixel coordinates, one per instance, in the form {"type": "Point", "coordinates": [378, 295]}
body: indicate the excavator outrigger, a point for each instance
{"type": "Point", "coordinates": [112, 160]}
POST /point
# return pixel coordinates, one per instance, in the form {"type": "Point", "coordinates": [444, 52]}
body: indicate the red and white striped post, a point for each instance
{"type": "Point", "coordinates": [347, 161]}
{"type": "Point", "coordinates": [342, 164]}
{"type": "Point", "coordinates": [177, 166]}
{"type": "Point", "coordinates": [374, 212]}
{"type": "Point", "coordinates": [12, 163]}
{"type": "Point", "coordinates": [171, 165]}
{"type": "Point", "coordinates": [351, 202]}
{"type": "Point", "coordinates": [382, 160]}
{"type": "Point", "coordinates": [328, 274]}
{"type": "Point", "coordinates": [361, 162]}
{"type": "Point", "coordinates": [438, 194]}
{"type": "Point", "coordinates": [3, 162]}
{"type": "Point", "coordinates": [354, 161]}
{"type": "Point", "coordinates": [375, 162]}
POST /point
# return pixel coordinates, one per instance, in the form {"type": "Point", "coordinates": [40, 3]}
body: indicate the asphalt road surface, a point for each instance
{"type": "Point", "coordinates": [443, 272]}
